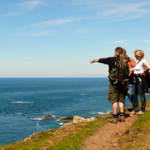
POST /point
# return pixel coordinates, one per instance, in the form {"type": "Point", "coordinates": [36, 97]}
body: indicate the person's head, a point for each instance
{"type": "Point", "coordinates": [139, 54]}
{"type": "Point", "coordinates": [118, 51]}
{"type": "Point", "coordinates": [124, 50]}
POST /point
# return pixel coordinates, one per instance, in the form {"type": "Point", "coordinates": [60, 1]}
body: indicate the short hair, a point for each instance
{"type": "Point", "coordinates": [124, 50]}
{"type": "Point", "coordinates": [119, 50]}
{"type": "Point", "coordinates": [139, 53]}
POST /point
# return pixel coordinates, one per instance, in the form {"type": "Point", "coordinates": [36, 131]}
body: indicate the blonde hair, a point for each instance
{"type": "Point", "coordinates": [139, 53]}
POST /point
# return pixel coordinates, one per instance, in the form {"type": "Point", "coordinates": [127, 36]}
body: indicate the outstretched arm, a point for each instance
{"type": "Point", "coordinates": [94, 60]}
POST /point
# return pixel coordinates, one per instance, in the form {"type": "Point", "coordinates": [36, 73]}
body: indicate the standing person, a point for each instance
{"type": "Point", "coordinates": [140, 84]}
{"type": "Point", "coordinates": [131, 64]}
{"type": "Point", "coordinates": [116, 93]}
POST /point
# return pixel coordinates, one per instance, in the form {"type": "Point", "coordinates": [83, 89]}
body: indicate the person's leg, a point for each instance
{"type": "Point", "coordinates": [121, 107]}
{"type": "Point", "coordinates": [122, 112]}
{"type": "Point", "coordinates": [112, 97]}
{"type": "Point", "coordinates": [115, 108]}
{"type": "Point", "coordinates": [130, 92]}
{"type": "Point", "coordinates": [130, 97]}
{"type": "Point", "coordinates": [135, 98]}
{"type": "Point", "coordinates": [142, 96]}
{"type": "Point", "coordinates": [121, 100]}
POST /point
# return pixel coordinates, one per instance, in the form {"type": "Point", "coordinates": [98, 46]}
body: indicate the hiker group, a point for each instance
{"type": "Point", "coordinates": [126, 78]}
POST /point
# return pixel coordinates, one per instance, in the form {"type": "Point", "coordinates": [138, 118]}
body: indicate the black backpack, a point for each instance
{"type": "Point", "coordinates": [120, 70]}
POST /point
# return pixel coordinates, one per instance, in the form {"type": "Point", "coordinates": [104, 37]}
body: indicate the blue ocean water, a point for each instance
{"type": "Point", "coordinates": [24, 100]}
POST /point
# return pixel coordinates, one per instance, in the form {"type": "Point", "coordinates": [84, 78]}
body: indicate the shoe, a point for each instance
{"type": "Point", "coordinates": [140, 112]}
{"type": "Point", "coordinates": [121, 119]}
{"type": "Point", "coordinates": [113, 120]}
{"type": "Point", "coordinates": [132, 112]}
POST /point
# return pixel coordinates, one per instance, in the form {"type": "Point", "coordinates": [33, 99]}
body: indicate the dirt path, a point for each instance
{"type": "Point", "coordinates": [106, 137]}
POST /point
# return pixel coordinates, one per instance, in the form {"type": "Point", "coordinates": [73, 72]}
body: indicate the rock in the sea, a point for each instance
{"type": "Point", "coordinates": [67, 119]}
{"type": "Point", "coordinates": [78, 119]}
{"type": "Point", "coordinates": [47, 117]}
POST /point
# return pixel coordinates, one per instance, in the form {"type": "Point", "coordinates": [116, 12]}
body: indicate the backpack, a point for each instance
{"type": "Point", "coordinates": [120, 70]}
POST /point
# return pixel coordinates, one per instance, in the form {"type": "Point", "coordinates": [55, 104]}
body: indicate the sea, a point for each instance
{"type": "Point", "coordinates": [23, 101]}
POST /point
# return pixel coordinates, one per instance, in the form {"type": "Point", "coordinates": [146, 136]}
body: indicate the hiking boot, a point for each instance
{"type": "Point", "coordinates": [113, 120]}
{"type": "Point", "coordinates": [132, 112]}
{"type": "Point", "coordinates": [121, 119]}
{"type": "Point", "coordinates": [140, 112]}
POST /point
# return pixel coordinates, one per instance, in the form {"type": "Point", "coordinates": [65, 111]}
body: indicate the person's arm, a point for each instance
{"type": "Point", "coordinates": [147, 65]}
{"type": "Point", "coordinates": [94, 60]}
{"type": "Point", "coordinates": [133, 63]}
{"type": "Point", "coordinates": [102, 60]}
{"type": "Point", "coordinates": [131, 70]}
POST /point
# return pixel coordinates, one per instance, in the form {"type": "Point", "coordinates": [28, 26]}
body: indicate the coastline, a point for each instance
{"type": "Point", "coordinates": [58, 132]}
{"type": "Point", "coordinates": [52, 138]}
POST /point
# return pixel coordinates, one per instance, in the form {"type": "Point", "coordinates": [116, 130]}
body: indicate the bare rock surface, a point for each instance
{"type": "Point", "coordinates": [33, 136]}
{"type": "Point", "coordinates": [47, 117]}
{"type": "Point", "coordinates": [66, 119]}
{"type": "Point", "coordinates": [78, 119]}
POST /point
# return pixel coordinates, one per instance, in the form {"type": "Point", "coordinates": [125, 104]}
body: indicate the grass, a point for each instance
{"type": "Point", "coordinates": [35, 144]}
{"type": "Point", "coordinates": [137, 134]}
{"type": "Point", "coordinates": [75, 142]}
{"type": "Point", "coordinates": [68, 138]}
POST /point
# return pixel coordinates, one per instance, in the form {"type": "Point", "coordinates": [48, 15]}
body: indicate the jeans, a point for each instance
{"type": "Point", "coordinates": [138, 88]}
{"type": "Point", "coordinates": [131, 97]}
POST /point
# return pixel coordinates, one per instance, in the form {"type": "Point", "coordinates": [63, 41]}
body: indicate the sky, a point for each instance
{"type": "Point", "coordinates": [58, 38]}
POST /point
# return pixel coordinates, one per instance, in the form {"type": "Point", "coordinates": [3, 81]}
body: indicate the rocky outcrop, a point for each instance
{"type": "Point", "coordinates": [33, 136]}
{"type": "Point", "coordinates": [47, 117]}
{"type": "Point", "coordinates": [78, 119]}
{"type": "Point", "coordinates": [67, 119]}
{"type": "Point", "coordinates": [65, 125]}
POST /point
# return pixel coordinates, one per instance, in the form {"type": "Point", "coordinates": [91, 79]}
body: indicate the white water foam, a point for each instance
{"type": "Point", "coordinates": [36, 118]}
{"type": "Point", "coordinates": [19, 113]}
{"type": "Point", "coordinates": [94, 112]}
{"type": "Point", "coordinates": [38, 126]}
{"type": "Point", "coordinates": [61, 123]}
{"type": "Point", "coordinates": [101, 113]}
{"type": "Point", "coordinates": [20, 102]}
{"type": "Point", "coordinates": [108, 112]}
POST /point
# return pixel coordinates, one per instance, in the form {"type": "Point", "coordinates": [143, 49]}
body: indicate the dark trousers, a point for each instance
{"type": "Point", "coordinates": [138, 89]}
{"type": "Point", "coordinates": [131, 97]}
{"type": "Point", "coordinates": [134, 103]}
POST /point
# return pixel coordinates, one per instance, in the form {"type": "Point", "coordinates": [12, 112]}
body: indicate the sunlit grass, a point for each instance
{"type": "Point", "coordinates": [138, 132]}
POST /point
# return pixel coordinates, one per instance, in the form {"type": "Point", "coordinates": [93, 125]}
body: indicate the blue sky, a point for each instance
{"type": "Point", "coordinates": [47, 38]}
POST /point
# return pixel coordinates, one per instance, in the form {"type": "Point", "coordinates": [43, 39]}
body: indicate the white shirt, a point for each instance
{"type": "Point", "coordinates": [139, 68]}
